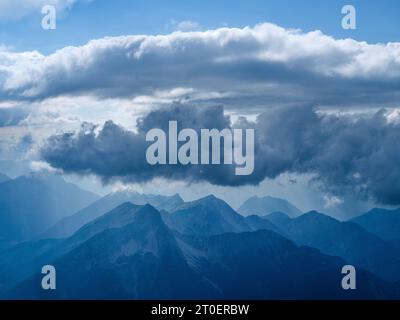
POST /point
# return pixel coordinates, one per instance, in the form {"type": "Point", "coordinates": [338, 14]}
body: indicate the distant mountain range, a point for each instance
{"type": "Point", "coordinates": [381, 222]}
{"type": "Point", "coordinates": [343, 239]}
{"type": "Point", "coordinates": [130, 253]}
{"type": "Point", "coordinates": [278, 218]}
{"type": "Point", "coordinates": [266, 205]}
{"type": "Point", "coordinates": [68, 225]}
{"type": "Point", "coordinates": [206, 216]}
{"type": "Point", "coordinates": [32, 203]}
{"type": "Point", "coordinates": [134, 246]}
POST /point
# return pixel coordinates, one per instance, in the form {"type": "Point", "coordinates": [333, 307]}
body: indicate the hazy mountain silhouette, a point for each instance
{"type": "Point", "coordinates": [21, 259]}
{"type": "Point", "coordinates": [346, 240]}
{"type": "Point", "coordinates": [266, 205]}
{"type": "Point", "coordinates": [265, 265]}
{"type": "Point", "coordinates": [258, 223]}
{"type": "Point", "coordinates": [206, 216]}
{"type": "Point", "coordinates": [130, 253]}
{"type": "Point", "coordinates": [381, 222]}
{"type": "Point", "coordinates": [30, 204]}
{"type": "Point", "coordinates": [70, 224]}
{"type": "Point", "coordinates": [277, 218]}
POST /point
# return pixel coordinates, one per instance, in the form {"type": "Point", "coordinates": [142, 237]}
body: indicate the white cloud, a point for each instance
{"type": "Point", "coordinates": [184, 26]}
{"type": "Point", "coordinates": [252, 67]}
{"type": "Point", "coordinates": [188, 25]}
{"type": "Point", "coordinates": [331, 201]}
{"type": "Point", "coordinates": [39, 166]}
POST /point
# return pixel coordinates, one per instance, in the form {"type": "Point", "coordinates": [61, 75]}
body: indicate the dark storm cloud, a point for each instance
{"type": "Point", "coordinates": [118, 154]}
{"type": "Point", "coordinates": [248, 67]}
{"type": "Point", "coordinates": [346, 154]}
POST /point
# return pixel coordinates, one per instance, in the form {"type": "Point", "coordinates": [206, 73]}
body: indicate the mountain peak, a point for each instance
{"type": "Point", "coordinates": [208, 201]}
{"type": "Point", "coordinates": [211, 202]}
{"type": "Point", "coordinates": [123, 215]}
{"type": "Point", "coordinates": [148, 213]}
{"type": "Point", "coordinates": [176, 196]}
{"type": "Point", "coordinates": [277, 214]}
{"type": "Point", "coordinates": [313, 214]}
{"type": "Point", "coordinates": [128, 206]}
{"type": "Point", "coordinates": [264, 205]}
{"type": "Point", "coordinates": [208, 215]}
{"type": "Point", "coordinates": [69, 225]}
{"type": "Point", "coordinates": [125, 206]}
{"type": "Point", "coordinates": [384, 223]}
{"type": "Point", "coordinates": [210, 197]}
{"type": "Point", "coordinates": [278, 218]}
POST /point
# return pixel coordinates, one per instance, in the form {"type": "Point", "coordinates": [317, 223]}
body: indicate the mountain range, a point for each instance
{"type": "Point", "coordinates": [266, 205]}
{"type": "Point", "coordinates": [383, 223]}
{"type": "Point", "coordinates": [32, 203]}
{"type": "Point", "coordinates": [347, 240]}
{"type": "Point", "coordinates": [68, 225]}
{"type": "Point", "coordinates": [127, 245]}
{"type": "Point", "coordinates": [206, 216]}
{"type": "Point", "coordinates": [131, 253]}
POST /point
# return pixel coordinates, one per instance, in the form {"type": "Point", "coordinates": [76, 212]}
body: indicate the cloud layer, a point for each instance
{"type": "Point", "coordinates": [252, 67]}
{"type": "Point", "coordinates": [346, 154]}
{"type": "Point", "coordinates": [267, 70]}
{"type": "Point", "coordinates": [12, 116]}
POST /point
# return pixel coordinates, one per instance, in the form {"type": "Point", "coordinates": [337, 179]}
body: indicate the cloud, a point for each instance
{"type": "Point", "coordinates": [184, 26]}
{"type": "Point", "coordinates": [346, 154]}
{"type": "Point", "coordinates": [355, 154]}
{"type": "Point", "coordinates": [251, 68]}
{"type": "Point", "coordinates": [121, 154]}
{"type": "Point", "coordinates": [188, 25]}
{"type": "Point", "coordinates": [331, 201]}
{"type": "Point", "coordinates": [12, 116]}
{"type": "Point", "coordinates": [26, 141]}
{"type": "Point", "coordinates": [17, 9]}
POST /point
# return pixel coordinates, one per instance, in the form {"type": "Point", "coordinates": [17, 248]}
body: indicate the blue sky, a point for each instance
{"type": "Point", "coordinates": [377, 21]}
